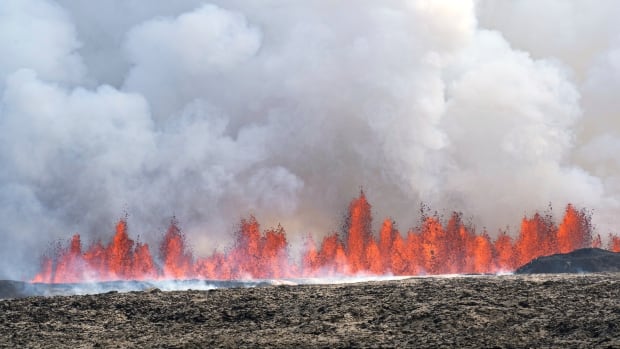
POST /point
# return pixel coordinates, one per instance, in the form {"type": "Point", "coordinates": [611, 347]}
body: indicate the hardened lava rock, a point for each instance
{"type": "Point", "coordinates": [511, 311]}
{"type": "Point", "coordinates": [585, 260]}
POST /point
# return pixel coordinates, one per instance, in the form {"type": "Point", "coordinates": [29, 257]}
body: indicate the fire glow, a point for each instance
{"type": "Point", "coordinates": [452, 247]}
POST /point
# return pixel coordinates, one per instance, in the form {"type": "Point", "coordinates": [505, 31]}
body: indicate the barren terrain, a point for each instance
{"type": "Point", "coordinates": [477, 311]}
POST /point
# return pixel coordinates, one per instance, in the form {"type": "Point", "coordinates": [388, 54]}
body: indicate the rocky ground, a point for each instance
{"type": "Point", "coordinates": [478, 311]}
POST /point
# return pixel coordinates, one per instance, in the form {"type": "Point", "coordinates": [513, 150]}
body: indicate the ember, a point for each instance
{"type": "Point", "coordinates": [434, 247]}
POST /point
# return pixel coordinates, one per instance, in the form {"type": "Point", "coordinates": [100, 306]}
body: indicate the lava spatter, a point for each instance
{"type": "Point", "coordinates": [433, 247]}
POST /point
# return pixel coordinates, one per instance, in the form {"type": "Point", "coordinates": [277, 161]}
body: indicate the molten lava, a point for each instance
{"type": "Point", "coordinates": [432, 248]}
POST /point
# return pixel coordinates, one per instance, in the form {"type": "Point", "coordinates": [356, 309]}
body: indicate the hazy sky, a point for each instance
{"type": "Point", "coordinates": [211, 111]}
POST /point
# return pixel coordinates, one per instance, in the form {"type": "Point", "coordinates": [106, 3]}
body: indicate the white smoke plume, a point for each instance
{"type": "Point", "coordinates": [211, 111]}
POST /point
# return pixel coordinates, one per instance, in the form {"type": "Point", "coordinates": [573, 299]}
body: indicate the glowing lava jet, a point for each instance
{"type": "Point", "coordinates": [432, 248]}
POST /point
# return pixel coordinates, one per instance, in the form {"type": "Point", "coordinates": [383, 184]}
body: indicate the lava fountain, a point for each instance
{"type": "Point", "coordinates": [434, 247]}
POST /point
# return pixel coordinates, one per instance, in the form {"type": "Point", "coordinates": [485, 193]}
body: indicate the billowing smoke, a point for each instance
{"type": "Point", "coordinates": [215, 110]}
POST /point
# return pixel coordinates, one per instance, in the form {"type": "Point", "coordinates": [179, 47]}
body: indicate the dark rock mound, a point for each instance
{"type": "Point", "coordinates": [585, 260]}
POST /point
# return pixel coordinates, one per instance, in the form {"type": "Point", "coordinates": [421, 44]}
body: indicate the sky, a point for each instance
{"type": "Point", "coordinates": [212, 111]}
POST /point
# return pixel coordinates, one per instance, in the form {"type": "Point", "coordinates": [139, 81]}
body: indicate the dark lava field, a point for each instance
{"type": "Point", "coordinates": [513, 311]}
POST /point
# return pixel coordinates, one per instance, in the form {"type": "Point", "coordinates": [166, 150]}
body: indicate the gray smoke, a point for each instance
{"type": "Point", "coordinates": [212, 111]}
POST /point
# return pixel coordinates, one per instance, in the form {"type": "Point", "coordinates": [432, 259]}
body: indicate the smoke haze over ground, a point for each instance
{"type": "Point", "coordinates": [215, 110]}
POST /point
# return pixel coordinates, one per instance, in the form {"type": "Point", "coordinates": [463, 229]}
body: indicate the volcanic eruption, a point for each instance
{"type": "Point", "coordinates": [256, 156]}
{"type": "Point", "coordinates": [213, 111]}
{"type": "Point", "coordinates": [434, 247]}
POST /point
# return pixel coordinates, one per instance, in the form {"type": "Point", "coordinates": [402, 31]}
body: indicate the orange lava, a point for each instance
{"type": "Point", "coordinates": [435, 247]}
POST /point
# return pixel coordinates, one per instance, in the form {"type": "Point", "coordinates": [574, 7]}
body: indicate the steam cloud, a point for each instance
{"type": "Point", "coordinates": [212, 111]}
